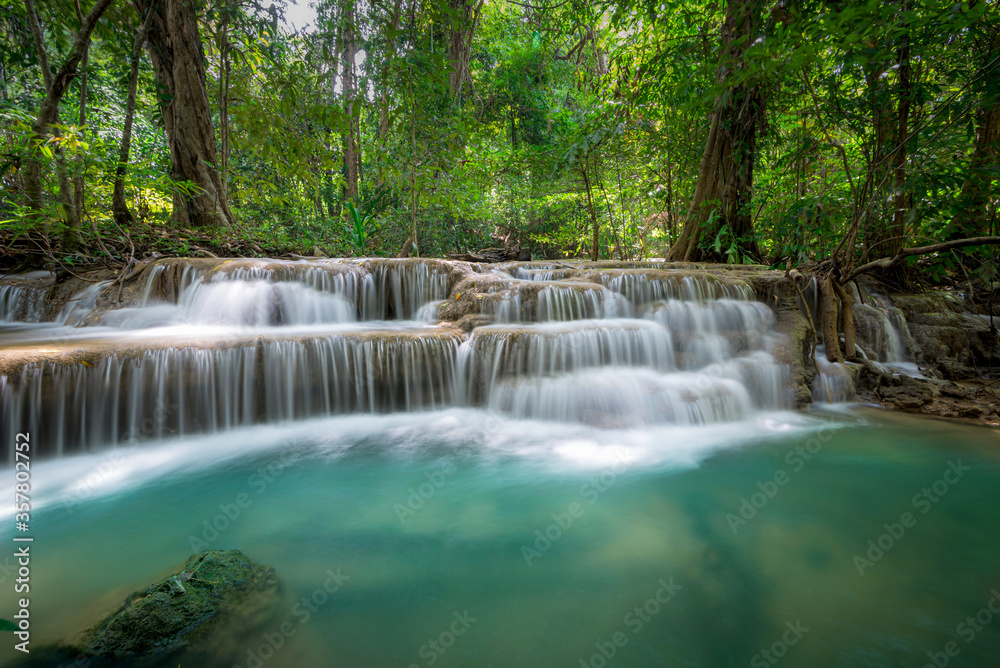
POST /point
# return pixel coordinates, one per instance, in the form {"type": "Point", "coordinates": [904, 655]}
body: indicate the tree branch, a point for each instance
{"type": "Point", "coordinates": [58, 85]}
{"type": "Point", "coordinates": [39, 37]}
{"type": "Point", "coordinates": [889, 263]}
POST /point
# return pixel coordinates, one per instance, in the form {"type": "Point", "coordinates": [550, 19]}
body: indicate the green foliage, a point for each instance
{"type": "Point", "coordinates": [620, 90]}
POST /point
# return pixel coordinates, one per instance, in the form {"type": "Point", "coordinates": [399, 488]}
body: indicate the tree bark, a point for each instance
{"type": "Point", "coordinates": [725, 177]}
{"type": "Point", "coordinates": [465, 19]}
{"type": "Point", "coordinates": [178, 62]}
{"type": "Point", "coordinates": [72, 237]}
{"type": "Point", "coordinates": [847, 316]}
{"type": "Point", "coordinates": [831, 340]}
{"type": "Point", "coordinates": [595, 242]}
{"type": "Point", "coordinates": [978, 191]}
{"type": "Point", "coordinates": [119, 208]}
{"type": "Point", "coordinates": [350, 94]}
{"type": "Point", "coordinates": [224, 67]}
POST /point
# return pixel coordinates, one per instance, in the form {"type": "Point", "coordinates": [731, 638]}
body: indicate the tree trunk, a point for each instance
{"type": "Point", "coordinates": [595, 245]}
{"type": "Point", "coordinates": [413, 244]}
{"type": "Point", "coordinates": [875, 188]}
{"type": "Point", "coordinates": [847, 316]}
{"type": "Point", "coordinates": [705, 197]}
{"type": "Point", "coordinates": [979, 187]}
{"type": "Point", "coordinates": [48, 113]}
{"type": "Point", "coordinates": [897, 230]}
{"type": "Point", "coordinates": [71, 213]}
{"type": "Point", "coordinates": [224, 68]}
{"type": "Point", "coordinates": [383, 123]}
{"type": "Point", "coordinates": [465, 19]}
{"type": "Point", "coordinates": [178, 62]}
{"type": "Point", "coordinates": [350, 94]}
{"type": "Point", "coordinates": [725, 177]}
{"type": "Point", "coordinates": [978, 191]}
{"type": "Point", "coordinates": [72, 236]}
{"type": "Point", "coordinates": [829, 310]}
{"type": "Point", "coordinates": [119, 207]}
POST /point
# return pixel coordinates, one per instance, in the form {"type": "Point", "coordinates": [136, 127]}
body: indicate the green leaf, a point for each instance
{"type": "Point", "coordinates": [6, 625]}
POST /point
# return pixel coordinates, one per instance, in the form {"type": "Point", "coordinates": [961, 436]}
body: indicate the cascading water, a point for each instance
{"type": "Point", "coordinates": [455, 460]}
{"type": "Point", "coordinates": [22, 297]}
{"type": "Point", "coordinates": [883, 334]}
{"type": "Point", "coordinates": [211, 346]}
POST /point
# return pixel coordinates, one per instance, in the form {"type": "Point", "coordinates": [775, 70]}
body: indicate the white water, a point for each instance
{"type": "Point", "coordinates": [246, 343]}
{"type": "Point", "coordinates": [881, 336]}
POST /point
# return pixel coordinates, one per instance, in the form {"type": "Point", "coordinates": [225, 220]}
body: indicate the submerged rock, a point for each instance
{"type": "Point", "coordinates": [183, 608]}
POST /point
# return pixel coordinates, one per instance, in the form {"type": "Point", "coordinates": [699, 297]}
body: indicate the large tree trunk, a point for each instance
{"type": "Point", "coordinates": [979, 189]}
{"type": "Point", "coordinates": [178, 62]}
{"type": "Point", "coordinates": [886, 236]}
{"type": "Point", "coordinates": [119, 207]}
{"type": "Point", "coordinates": [465, 19]}
{"type": "Point", "coordinates": [350, 95]}
{"type": "Point", "coordinates": [725, 176]}
{"type": "Point", "coordinates": [383, 123]}
{"type": "Point", "coordinates": [224, 67]}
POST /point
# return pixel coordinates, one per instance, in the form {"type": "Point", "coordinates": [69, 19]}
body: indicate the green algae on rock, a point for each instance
{"type": "Point", "coordinates": [181, 609]}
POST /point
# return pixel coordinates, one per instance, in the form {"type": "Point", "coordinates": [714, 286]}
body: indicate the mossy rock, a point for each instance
{"type": "Point", "coordinates": [182, 609]}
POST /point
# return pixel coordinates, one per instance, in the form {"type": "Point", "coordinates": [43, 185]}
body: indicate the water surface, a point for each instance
{"type": "Point", "coordinates": [435, 525]}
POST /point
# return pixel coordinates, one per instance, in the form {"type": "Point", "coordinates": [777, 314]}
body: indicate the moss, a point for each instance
{"type": "Point", "coordinates": [182, 608]}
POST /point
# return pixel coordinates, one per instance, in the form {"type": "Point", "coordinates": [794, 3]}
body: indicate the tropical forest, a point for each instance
{"type": "Point", "coordinates": [499, 333]}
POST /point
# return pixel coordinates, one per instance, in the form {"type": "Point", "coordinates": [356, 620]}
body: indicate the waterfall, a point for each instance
{"type": "Point", "coordinates": [206, 346]}
{"type": "Point", "coordinates": [173, 391]}
{"type": "Point", "coordinates": [834, 383]}
{"type": "Point", "coordinates": [79, 306]}
{"type": "Point", "coordinates": [881, 336]}
{"type": "Point", "coordinates": [501, 351]}
{"type": "Point", "coordinates": [708, 332]}
{"type": "Point", "coordinates": [639, 288]}
{"type": "Point", "coordinates": [22, 301]}
{"type": "Point", "coordinates": [611, 397]}
{"type": "Point", "coordinates": [883, 333]}
{"type": "Point", "coordinates": [580, 302]}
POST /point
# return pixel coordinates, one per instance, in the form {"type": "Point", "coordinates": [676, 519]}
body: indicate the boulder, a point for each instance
{"type": "Point", "coordinates": [954, 342]}
{"type": "Point", "coordinates": [182, 609]}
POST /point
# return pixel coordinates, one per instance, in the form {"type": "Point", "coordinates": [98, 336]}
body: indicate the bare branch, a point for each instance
{"type": "Point", "coordinates": [889, 263]}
